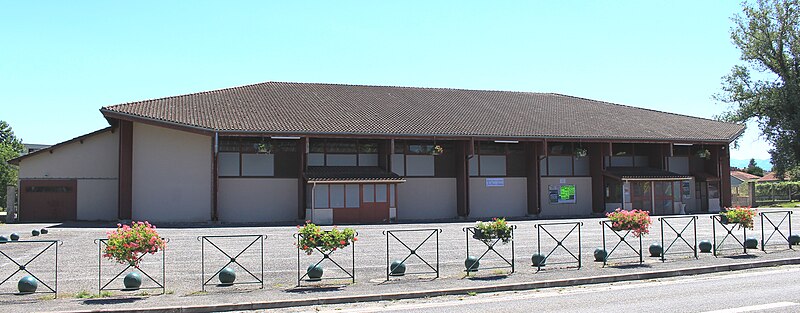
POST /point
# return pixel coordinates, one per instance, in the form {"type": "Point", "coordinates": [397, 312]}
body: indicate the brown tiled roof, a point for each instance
{"type": "Point", "coordinates": [744, 176]}
{"type": "Point", "coordinates": [769, 177]}
{"type": "Point", "coordinates": [642, 173]}
{"type": "Point", "coordinates": [350, 174]}
{"type": "Point", "coordinates": [308, 108]}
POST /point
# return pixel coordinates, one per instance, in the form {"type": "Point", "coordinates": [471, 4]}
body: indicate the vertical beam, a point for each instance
{"type": "Point", "coordinates": [725, 175]}
{"type": "Point", "coordinates": [462, 179]}
{"type": "Point", "coordinates": [384, 154]}
{"type": "Point", "coordinates": [597, 153]}
{"type": "Point", "coordinates": [301, 178]}
{"type": "Point", "coordinates": [215, 177]}
{"type": "Point", "coordinates": [125, 182]}
{"type": "Point", "coordinates": [532, 175]}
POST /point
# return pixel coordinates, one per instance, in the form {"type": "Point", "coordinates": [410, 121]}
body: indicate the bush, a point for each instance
{"type": "Point", "coordinates": [313, 237]}
{"type": "Point", "coordinates": [637, 221]}
{"type": "Point", "coordinates": [127, 244]}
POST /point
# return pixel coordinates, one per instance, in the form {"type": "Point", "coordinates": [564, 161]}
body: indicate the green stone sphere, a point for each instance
{"type": "Point", "coordinates": [227, 276]}
{"type": "Point", "coordinates": [472, 264]}
{"type": "Point", "coordinates": [3, 239]}
{"type": "Point", "coordinates": [794, 239]}
{"type": "Point", "coordinates": [656, 250]}
{"type": "Point", "coordinates": [44, 231]}
{"type": "Point", "coordinates": [751, 243]}
{"type": "Point", "coordinates": [705, 246]}
{"type": "Point", "coordinates": [35, 232]}
{"type": "Point", "coordinates": [397, 268]}
{"type": "Point", "coordinates": [132, 281]}
{"type": "Point", "coordinates": [538, 259]}
{"type": "Point", "coordinates": [600, 255]}
{"type": "Point", "coordinates": [14, 236]}
{"type": "Point", "coordinates": [314, 272]}
{"type": "Point", "coordinates": [27, 284]}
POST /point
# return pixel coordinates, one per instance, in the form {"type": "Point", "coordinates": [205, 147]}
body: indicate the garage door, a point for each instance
{"type": "Point", "coordinates": [48, 200]}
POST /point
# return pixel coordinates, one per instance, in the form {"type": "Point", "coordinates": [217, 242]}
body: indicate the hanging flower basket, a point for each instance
{"type": "Point", "coordinates": [127, 244]}
{"type": "Point", "coordinates": [313, 237]}
{"type": "Point", "coordinates": [498, 228]}
{"type": "Point", "coordinates": [636, 221]}
{"type": "Point", "coordinates": [704, 154]}
{"type": "Point", "coordinates": [437, 150]}
{"type": "Point", "coordinates": [581, 152]}
{"type": "Point", "coordinates": [738, 215]}
{"type": "Point", "coordinates": [265, 148]}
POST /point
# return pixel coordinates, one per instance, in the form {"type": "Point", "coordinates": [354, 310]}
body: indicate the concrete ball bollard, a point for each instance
{"type": "Point", "coordinates": [314, 272]}
{"type": "Point", "coordinates": [44, 231]}
{"type": "Point", "coordinates": [538, 259]}
{"type": "Point", "coordinates": [751, 243]}
{"type": "Point", "coordinates": [472, 264]}
{"type": "Point", "coordinates": [705, 246]}
{"type": "Point", "coordinates": [14, 237]}
{"type": "Point", "coordinates": [397, 268]}
{"type": "Point", "coordinates": [27, 284]}
{"type": "Point", "coordinates": [35, 232]}
{"type": "Point", "coordinates": [600, 255]}
{"type": "Point", "coordinates": [227, 276]}
{"type": "Point", "coordinates": [656, 249]}
{"type": "Point", "coordinates": [794, 239]}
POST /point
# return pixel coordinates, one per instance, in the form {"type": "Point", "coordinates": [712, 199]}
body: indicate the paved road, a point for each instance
{"type": "Point", "coordinates": [769, 290]}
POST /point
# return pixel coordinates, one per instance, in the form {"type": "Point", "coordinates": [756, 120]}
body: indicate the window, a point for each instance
{"type": "Point", "coordinates": [367, 146]}
{"type": "Point", "coordinates": [352, 196]}
{"type": "Point", "coordinates": [559, 148]}
{"type": "Point", "coordinates": [380, 193]}
{"type": "Point", "coordinates": [620, 149]}
{"type": "Point", "coordinates": [340, 146]}
{"type": "Point", "coordinates": [337, 196]}
{"type": "Point", "coordinates": [369, 193]}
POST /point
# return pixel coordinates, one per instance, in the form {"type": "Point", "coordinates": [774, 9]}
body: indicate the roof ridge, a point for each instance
{"type": "Point", "coordinates": [635, 107]}
{"type": "Point", "coordinates": [315, 83]}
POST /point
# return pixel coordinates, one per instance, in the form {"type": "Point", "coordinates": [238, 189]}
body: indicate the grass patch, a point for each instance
{"type": "Point", "coordinates": [793, 204]}
{"type": "Point", "coordinates": [83, 294]}
{"type": "Point", "coordinates": [472, 293]}
{"type": "Point", "coordinates": [197, 293]}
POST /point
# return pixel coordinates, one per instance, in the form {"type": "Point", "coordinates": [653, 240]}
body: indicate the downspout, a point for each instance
{"type": "Point", "coordinates": [313, 200]}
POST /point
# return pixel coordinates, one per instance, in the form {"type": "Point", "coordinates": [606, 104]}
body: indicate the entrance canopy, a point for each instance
{"type": "Point", "coordinates": [643, 174]}
{"type": "Point", "coordinates": [350, 174]}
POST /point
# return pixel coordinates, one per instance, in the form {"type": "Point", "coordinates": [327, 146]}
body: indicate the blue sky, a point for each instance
{"type": "Point", "coordinates": [61, 61]}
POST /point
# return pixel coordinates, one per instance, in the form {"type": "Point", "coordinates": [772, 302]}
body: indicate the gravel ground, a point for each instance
{"type": "Point", "coordinates": [78, 262]}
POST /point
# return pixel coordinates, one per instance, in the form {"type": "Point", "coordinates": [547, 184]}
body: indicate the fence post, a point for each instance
{"type": "Point", "coordinates": [751, 188]}
{"type": "Point", "coordinates": [11, 195]}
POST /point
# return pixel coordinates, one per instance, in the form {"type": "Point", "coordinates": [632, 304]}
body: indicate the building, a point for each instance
{"type": "Point", "coordinates": [769, 177]}
{"type": "Point", "coordinates": [739, 177]}
{"type": "Point", "coordinates": [32, 147]}
{"type": "Point", "coordinates": [283, 152]}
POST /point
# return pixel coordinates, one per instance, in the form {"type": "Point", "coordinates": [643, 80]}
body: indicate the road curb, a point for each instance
{"type": "Point", "coordinates": [275, 304]}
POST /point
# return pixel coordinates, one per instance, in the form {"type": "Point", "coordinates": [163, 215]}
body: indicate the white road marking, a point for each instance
{"type": "Point", "coordinates": [759, 307]}
{"type": "Point", "coordinates": [546, 293]}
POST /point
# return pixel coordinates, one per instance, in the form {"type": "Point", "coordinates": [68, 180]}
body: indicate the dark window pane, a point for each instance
{"type": "Point", "coordinates": [229, 144]}
{"type": "Point", "coordinates": [284, 145]}
{"type": "Point", "coordinates": [341, 146]}
{"type": "Point", "coordinates": [489, 148]}
{"type": "Point", "coordinates": [316, 145]}
{"type": "Point", "coordinates": [680, 150]}
{"type": "Point", "coordinates": [48, 189]}
{"type": "Point", "coordinates": [622, 148]}
{"type": "Point", "coordinates": [365, 146]}
{"type": "Point", "coordinates": [399, 146]}
{"type": "Point", "coordinates": [559, 148]}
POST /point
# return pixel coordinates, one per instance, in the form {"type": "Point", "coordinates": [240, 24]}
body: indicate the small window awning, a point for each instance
{"type": "Point", "coordinates": [350, 174]}
{"type": "Point", "coordinates": [642, 174]}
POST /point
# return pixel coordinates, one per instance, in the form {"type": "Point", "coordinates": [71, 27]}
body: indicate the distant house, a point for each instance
{"type": "Point", "coordinates": [739, 177]}
{"type": "Point", "coordinates": [32, 147]}
{"type": "Point", "coordinates": [768, 178]}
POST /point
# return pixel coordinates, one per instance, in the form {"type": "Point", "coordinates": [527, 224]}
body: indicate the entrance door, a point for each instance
{"type": "Point", "coordinates": [642, 195]}
{"type": "Point", "coordinates": [374, 203]}
{"type": "Point", "coordinates": [48, 200]}
{"type": "Point", "coordinates": [663, 198]}
{"type": "Point", "coordinates": [702, 194]}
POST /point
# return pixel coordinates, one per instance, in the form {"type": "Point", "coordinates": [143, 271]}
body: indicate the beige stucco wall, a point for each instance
{"type": "Point", "coordinates": [510, 200]}
{"type": "Point", "coordinates": [97, 199]}
{"type": "Point", "coordinates": [426, 198]}
{"type": "Point", "coordinates": [257, 200]}
{"type": "Point", "coordinates": [96, 157]}
{"type": "Point", "coordinates": [171, 175]}
{"type": "Point", "coordinates": [583, 197]}
{"type": "Point", "coordinates": [93, 164]}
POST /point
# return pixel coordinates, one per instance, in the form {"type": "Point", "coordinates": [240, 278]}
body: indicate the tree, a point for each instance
{"type": "Point", "coordinates": [753, 168]}
{"type": "Point", "coordinates": [10, 147]}
{"type": "Point", "coordinates": [767, 87]}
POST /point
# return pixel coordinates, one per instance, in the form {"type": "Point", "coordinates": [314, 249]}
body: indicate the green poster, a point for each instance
{"type": "Point", "coordinates": [566, 194]}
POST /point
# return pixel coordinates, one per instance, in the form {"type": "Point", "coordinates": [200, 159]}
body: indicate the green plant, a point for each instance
{"type": "Point", "coordinates": [498, 228]}
{"type": "Point", "coordinates": [83, 294]}
{"type": "Point", "coordinates": [637, 221]}
{"type": "Point", "coordinates": [313, 237]}
{"type": "Point", "coordinates": [127, 244]}
{"type": "Point", "coordinates": [739, 215]}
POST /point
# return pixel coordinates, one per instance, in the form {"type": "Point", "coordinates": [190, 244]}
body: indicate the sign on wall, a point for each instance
{"type": "Point", "coordinates": [562, 194]}
{"type": "Point", "coordinates": [495, 182]}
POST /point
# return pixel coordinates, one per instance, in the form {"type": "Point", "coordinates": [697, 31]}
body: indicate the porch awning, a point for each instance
{"type": "Point", "coordinates": [350, 174]}
{"type": "Point", "coordinates": [643, 173]}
